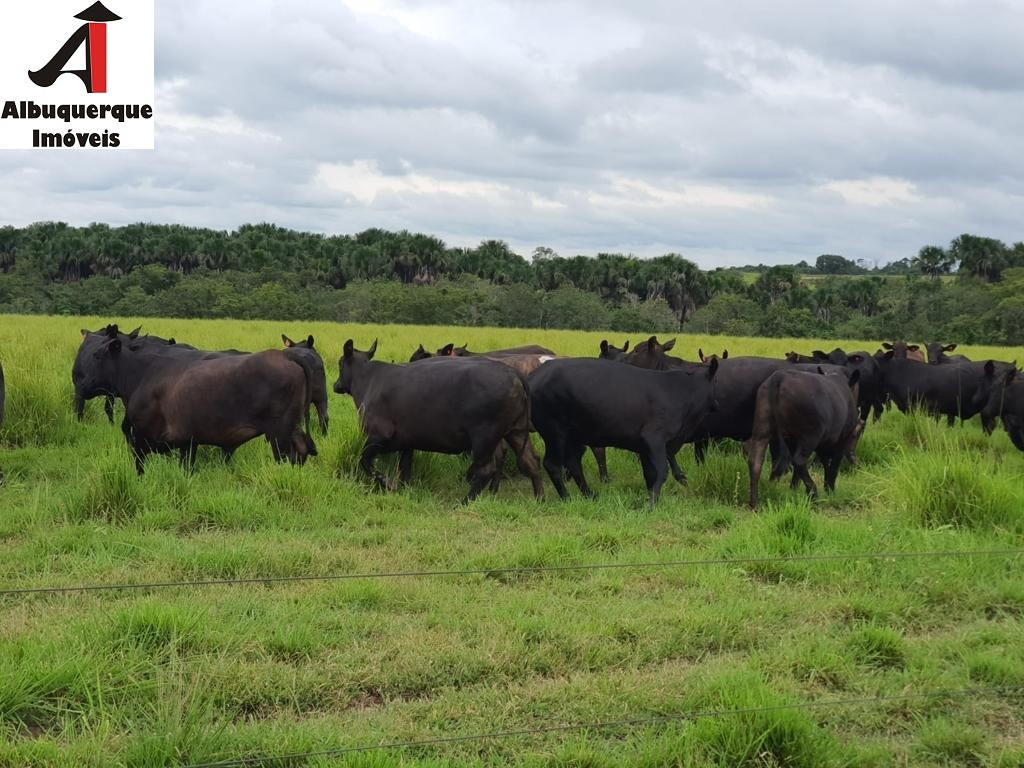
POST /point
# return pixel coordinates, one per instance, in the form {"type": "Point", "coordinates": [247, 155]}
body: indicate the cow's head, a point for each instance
{"type": "Point", "coordinates": [937, 352]}
{"type": "Point", "coordinates": [350, 363]}
{"type": "Point", "coordinates": [991, 392]}
{"type": "Point", "coordinates": [305, 344]}
{"type": "Point", "coordinates": [420, 354]}
{"type": "Point", "coordinates": [652, 354]}
{"type": "Point", "coordinates": [608, 352]}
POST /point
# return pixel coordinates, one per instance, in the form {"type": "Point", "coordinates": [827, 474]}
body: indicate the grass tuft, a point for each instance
{"type": "Point", "coordinates": [878, 647]}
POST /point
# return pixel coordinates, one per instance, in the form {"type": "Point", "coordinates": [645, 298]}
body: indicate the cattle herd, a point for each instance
{"type": "Point", "coordinates": [177, 397]}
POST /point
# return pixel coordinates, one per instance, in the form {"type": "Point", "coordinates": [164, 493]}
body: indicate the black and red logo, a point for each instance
{"type": "Point", "coordinates": [93, 35]}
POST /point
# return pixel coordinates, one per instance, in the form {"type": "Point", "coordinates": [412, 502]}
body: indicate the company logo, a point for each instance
{"type": "Point", "coordinates": [93, 35]}
{"type": "Point", "coordinates": [109, 51]}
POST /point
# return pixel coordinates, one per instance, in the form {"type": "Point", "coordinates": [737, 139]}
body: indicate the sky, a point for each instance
{"type": "Point", "coordinates": [731, 132]}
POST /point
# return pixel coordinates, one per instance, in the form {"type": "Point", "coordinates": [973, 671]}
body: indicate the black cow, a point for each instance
{"type": "Point", "coordinates": [91, 341]}
{"type": "Point", "coordinates": [1003, 396]}
{"type": "Point", "coordinates": [584, 402]}
{"type": "Point", "coordinates": [937, 354]}
{"type": "Point", "coordinates": [303, 353]}
{"type": "Point", "coordinates": [443, 406]}
{"type": "Point", "coordinates": [450, 350]}
{"type": "Point", "coordinates": [608, 352]}
{"type": "Point", "coordinates": [943, 390]}
{"type": "Point", "coordinates": [179, 402]}
{"type": "Point", "coordinates": [995, 398]}
{"type": "Point", "coordinates": [807, 413]}
{"type": "Point", "coordinates": [903, 351]}
{"type": "Point", "coordinates": [871, 387]}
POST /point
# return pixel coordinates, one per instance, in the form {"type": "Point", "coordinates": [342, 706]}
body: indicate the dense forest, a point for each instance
{"type": "Point", "coordinates": [971, 291]}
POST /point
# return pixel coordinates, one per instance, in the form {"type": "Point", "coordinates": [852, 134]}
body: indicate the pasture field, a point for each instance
{"type": "Point", "coordinates": [189, 675]}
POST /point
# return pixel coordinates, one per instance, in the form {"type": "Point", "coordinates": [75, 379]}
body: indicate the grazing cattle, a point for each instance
{"type": "Point", "coordinates": [1003, 396]}
{"type": "Point", "coordinates": [871, 390]}
{"type": "Point", "coordinates": [608, 352]}
{"type": "Point", "coordinates": [303, 353]}
{"type": "Point", "coordinates": [903, 351]}
{"type": "Point", "coordinates": [442, 406]}
{"type": "Point", "coordinates": [942, 390]}
{"type": "Point", "coordinates": [937, 354]}
{"type": "Point", "coordinates": [584, 402]}
{"type": "Point", "coordinates": [450, 350]}
{"type": "Point", "coordinates": [807, 413]}
{"type": "Point", "coordinates": [179, 402]}
{"type": "Point", "coordinates": [651, 355]}
{"type": "Point", "coordinates": [91, 341]}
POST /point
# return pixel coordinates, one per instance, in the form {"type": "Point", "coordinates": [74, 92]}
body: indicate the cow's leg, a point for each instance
{"type": "Point", "coordinates": [654, 460]}
{"type": "Point", "coordinates": [499, 464]}
{"type": "Point", "coordinates": [108, 408]}
{"type": "Point", "coordinates": [950, 419]}
{"type": "Point", "coordinates": [800, 460]}
{"type": "Point", "coordinates": [554, 461]}
{"type": "Point", "coordinates": [79, 407]}
{"type": "Point", "coordinates": [526, 459]}
{"type": "Point", "coordinates": [134, 445]}
{"type": "Point", "coordinates": [672, 450]}
{"type": "Point", "coordinates": [482, 470]}
{"type": "Point", "coordinates": [755, 449]}
{"type": "Point", "coordinates": [228, 454]}
{"type": "Point", "coordinates": [699, 448]}
{"type": "Point", "coordinates": [601, 457]}
{"type": "Point", "coordinates": [574, 463]}
{"type": "Point", "coordinates": [832, 471]}
{"type": "Point", "coordinates": [370, 453]}
{"type": "Point", "coordinates": [321, 412]}
{"type": "Point", "coordinates": [405, 466]}
{"type": "Point", "coordinates": [781, 459]}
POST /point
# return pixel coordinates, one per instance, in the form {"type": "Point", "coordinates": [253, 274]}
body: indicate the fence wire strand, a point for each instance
{"type": "Point", "coordinates": [242, 762]}
{"type": "Point", "coordinates": [510, 570]}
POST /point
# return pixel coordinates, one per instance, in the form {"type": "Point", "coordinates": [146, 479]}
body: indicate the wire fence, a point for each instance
{"type": "Point", "coordinates": [510, 570]}
{"type": "Point", "coordinates": [241, 762]}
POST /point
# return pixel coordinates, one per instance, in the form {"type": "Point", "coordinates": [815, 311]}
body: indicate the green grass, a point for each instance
{"type": "Point", "coordinates": [169, 677]}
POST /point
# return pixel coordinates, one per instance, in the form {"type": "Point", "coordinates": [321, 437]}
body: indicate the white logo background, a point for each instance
{"type": "Point", "coordinates": [32, 31]}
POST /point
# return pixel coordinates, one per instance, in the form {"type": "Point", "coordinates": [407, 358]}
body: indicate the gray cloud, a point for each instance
{"type": "Point", "coordinates": [732, 133]}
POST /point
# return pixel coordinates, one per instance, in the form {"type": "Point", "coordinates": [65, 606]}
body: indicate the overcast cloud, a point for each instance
{"type": "Point", "coordinates": [735, 132]}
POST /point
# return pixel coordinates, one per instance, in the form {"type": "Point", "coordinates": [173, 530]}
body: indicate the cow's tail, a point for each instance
{"type": "Point", "coordinates": [307, 400]}
{"type": "Point", "coordinates": [781, 460]}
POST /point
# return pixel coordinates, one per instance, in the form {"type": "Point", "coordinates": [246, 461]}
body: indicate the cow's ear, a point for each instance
{"type": "Point", "coordinates": [819, 353]}
{"type": "Point", "coordinates": [84, 334]}
{"type": "Point", "coordinates": [913, 347]}
{"type": "Point", "coordinates": [625, 347]}
{"type": "Point", "coordinates": [652, 342]}
{"type": "Point", "coordinates": [855, 359]}
{"type": "Point", "coordinates": [854, 377]}
{"type": "Point", "coordinates": [604, 346]}
{"type": "Point", "coordinates": [112, 331]}
{"type": "Point", "coordinates": [447, 350]}
{"type": "Point", "coordinates": [135, 334]}
{"type": "Point", "coordinates": [420, 348]}
{"type": "Point", "coordinates": [990, 369]}
{"type": "Point", "coordinates": [712, 367]}
{"type": "Point", "coordinates": [886, 345]}
{"type": "Point", "coordinates": [669, 345]}
{"type": "Point", "coordinates": [372, 350]}
{"type": "Point", "coordinates": [949, 348]}
{"type": "Point", "coordinates": [349, 348]}
{"type": "Point", "coordinates": [725, 354]}
{"type": "Point", "coordinates": [287, 342]}
{"type": "Point", "coordinates": [172, 341]}
{"type": "Point", "coordinates": [700, 353]}
{"type": "Point", "coordinates": [888, 355]}
{"type": "Point", "coordinates": [310, 340]}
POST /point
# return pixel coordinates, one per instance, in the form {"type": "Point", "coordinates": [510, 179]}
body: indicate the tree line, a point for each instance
{"type": "Point", "coordinates": [967, 291]}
